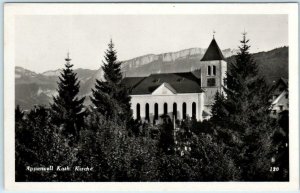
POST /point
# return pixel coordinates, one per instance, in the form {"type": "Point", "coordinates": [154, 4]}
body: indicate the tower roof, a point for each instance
{"type": "Point", "coordinates": [213, 52]}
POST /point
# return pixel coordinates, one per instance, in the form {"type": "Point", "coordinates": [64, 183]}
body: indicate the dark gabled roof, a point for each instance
{"type": "Point", "coordinates": [213, 52]}
{"type": "Point", "coordinates": [284, 81]}
{"type": "Point", "coordinates": [206, 113]}
{"type": "Point", "coordinates": [278, 83]}
{"type": "Point", "coordinates": [281, 81]}
{"type": "Point", "coordinates": [182, 83]}
{"type": "Point", "coordinates": [131, 82]}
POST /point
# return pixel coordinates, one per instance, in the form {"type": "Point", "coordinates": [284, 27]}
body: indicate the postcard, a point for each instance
{"type": "Point", "coordinates": [151, 96]}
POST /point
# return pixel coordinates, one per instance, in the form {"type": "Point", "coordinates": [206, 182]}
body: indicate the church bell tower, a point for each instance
{"type": "Point", "coordinates": [213, 72]}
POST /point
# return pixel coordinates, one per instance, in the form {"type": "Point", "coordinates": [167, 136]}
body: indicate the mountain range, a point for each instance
{"type": "Point", "coordinates": [38, 88]}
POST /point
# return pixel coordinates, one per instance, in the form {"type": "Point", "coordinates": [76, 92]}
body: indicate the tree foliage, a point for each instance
{"type": "Point", "coordinates": [237, 144]}
{"type": "Point", "coordinates": [67, 108]}
{"type": "Point", "coordinates": [110, 96]}
{"type": "Point", "coordinates": [219, 111]}
{"type": "Point", "coordinates": [245, 115]}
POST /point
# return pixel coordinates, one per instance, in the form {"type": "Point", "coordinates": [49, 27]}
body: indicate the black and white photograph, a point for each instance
{"type": "Point", "coordinates": [151, 93]}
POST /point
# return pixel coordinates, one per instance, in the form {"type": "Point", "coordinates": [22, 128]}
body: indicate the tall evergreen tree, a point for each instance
{"type": "Point", "coordinates": [246, 91]}
{"type": "Point", "coordinates": [67, 108]}
{"type": "Point", "coordinates": [111, 66]}
{"type": "Point", "coordinates": [110, 96]}
{"type": "Point", "coordinates": [247, 103]}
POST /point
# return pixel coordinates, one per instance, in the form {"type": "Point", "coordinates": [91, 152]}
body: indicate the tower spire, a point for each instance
{"type": "Point", "coordinates": [213, 52]}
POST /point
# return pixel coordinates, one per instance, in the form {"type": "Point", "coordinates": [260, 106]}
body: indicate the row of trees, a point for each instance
{"type": "Point", "coordinates": [110, 97]}
{"type": "Point", "coordinates": [236, 144]}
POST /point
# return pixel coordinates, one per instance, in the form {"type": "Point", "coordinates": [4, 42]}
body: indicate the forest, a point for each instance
{"type": "Point", "coordinates": [241, 142]}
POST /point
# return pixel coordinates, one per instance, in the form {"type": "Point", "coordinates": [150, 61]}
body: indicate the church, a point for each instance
{"type": "Point", "coordinates": [179, 95]}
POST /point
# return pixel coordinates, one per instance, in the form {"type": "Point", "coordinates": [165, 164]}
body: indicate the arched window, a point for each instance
{"type": "Point", "coordinates": [147, 112]}
{"type": "Point", "coordinates": [184, 110]}
{"type": "Point", "coordinates": [165, 109]}
{"type": "Point", "coordinates": [155, 111]}
{"type": "Point", "coordinates": [214, 70]}
{"type": "Point", "coordinates": [174, 110]}
{"type": "Point", "coordinates": [194, 110]}
{"type": "Point", "coordinates": [208, 70]}
{"type": "Point", "coordinates": [138, 111]}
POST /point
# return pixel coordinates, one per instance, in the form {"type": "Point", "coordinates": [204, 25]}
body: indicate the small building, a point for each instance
{"type": "Point", "coordinates": [280, 97]}
{"type": "Point", "coordinates": [179, 95]}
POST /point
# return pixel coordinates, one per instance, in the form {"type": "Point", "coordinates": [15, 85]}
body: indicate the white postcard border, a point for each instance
{"type": "Point", "coordinates": [13, 9]}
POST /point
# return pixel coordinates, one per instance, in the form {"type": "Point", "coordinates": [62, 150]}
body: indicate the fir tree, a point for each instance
{"type": "Point", "coordinates": [67, 108]}
{"type": "Point", "coordinates": [111, 97]}
{"type": "Point", "coordinates": [247, 103]}
{"type": "Point", "coordinates": [219, 111]}
{"type": "Point", "coordinates": [246, 91]}
{"type": "Point", "coordinates": [111, 66]}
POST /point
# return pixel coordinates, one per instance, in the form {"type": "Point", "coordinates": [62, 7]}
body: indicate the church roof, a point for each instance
{"type": "Point", "coordinates": [213, 52]}
{"type": "Point", "coordinates": [131, 82]}
{"type": "Point", "coordinates": [184, 82]}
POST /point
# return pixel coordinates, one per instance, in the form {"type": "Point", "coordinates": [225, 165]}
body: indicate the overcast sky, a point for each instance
{"type": "Point", "coordinates": [42, 42]}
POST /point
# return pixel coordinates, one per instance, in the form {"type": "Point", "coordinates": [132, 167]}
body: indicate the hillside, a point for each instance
{"type": "Point", "coordinates": [272, 64]}
{"type": "Point", "coordinates": [33, 89]}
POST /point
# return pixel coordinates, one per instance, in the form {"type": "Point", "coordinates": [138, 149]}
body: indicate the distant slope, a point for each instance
{"type": "Point", "coordinates": [37, 89]}
{"type": "Point", "coordinates": [32, 88]}
{"type": "Point", "coordinates": [272, 64]}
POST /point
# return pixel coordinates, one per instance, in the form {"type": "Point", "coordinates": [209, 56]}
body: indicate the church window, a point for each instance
{"type": "Point", "coordinates": [194, 110]}
{"type": "Point", "coordinates": [138, 111]}
{"type": "Point", "coordinates": [208, 70]}
{"type": "Point", "coordinates": [184, 110]}
{"type": "Point", "coordinates": [211, 82]}
{"type": "Point", "coordinates": [175, 110]}
{"type": "Point", "coordinates": [147, 112]}
{"type": "Point", "coordinates": [165, 108]}
{"type": "Point", "coordinates": [156, 111]}
{"type": "Point", "coordinates": [214, 70]}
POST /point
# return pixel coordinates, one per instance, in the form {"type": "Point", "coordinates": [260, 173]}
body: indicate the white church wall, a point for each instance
{"type": "Point", "coordinates": [179, 99]}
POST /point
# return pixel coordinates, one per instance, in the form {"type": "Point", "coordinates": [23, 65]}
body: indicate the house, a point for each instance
{"type": "Point", "coordinates": [280, 97]}
{"type": "Point", "coordinates": [179, 95]}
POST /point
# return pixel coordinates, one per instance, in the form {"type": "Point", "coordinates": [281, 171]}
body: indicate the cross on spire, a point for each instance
{"type": "Point", "coordinates": [214, 32]}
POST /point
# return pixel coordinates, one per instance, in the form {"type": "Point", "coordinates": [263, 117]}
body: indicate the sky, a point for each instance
{"type": "Point", "coordinates": [42, 42]}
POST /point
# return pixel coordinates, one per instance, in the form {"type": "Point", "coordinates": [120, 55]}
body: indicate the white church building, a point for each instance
{"type": "Point", "coordinates": [179, 95]}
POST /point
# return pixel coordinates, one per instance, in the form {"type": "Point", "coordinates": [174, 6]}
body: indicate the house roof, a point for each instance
{"type": "Point", "coordinates": [205, 113]}
{"type": "Point", "coordinates": [213, 52]}
{"type": "Point", "coordinates": [184, 82]}
{"type": "Point", "coordinates": [281, 81]}
{"type": "Point", "coordinates": [285, 81]}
